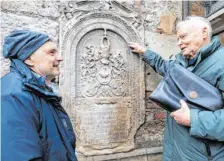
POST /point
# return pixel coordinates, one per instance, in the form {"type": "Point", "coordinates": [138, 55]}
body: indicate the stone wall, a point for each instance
{"type": "Point", "coordinates": [39, 16]}
{"type": "Point", "coordinates": [153, 22]}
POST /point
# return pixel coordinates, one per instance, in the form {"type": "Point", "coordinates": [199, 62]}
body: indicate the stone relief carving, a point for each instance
{"type": "Point", "coordinates": [103, 82]}
{"type": "Point", "coordinates": [122, 8]}
{"type": "Point", "coordinates": [103, 71]}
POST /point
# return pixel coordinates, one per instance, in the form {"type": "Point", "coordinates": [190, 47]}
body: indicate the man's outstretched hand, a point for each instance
{"type": "Point", "coordinates": [136, 48]}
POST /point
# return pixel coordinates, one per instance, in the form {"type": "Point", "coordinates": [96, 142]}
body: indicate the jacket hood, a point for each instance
{"type": "Point", "coordinates": [31, 82]}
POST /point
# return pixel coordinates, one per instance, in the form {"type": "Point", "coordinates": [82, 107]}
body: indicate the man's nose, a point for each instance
{"type": "Point", "coordinates": [59, 57]}
{"type": "Point", "coordinates": [179, 43]}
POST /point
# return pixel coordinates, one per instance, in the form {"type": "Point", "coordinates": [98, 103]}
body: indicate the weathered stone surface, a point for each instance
{"type": "Point", "coordinates": [33, 8]}
{"type": "Point", "coordinates": [144, 154]}
{"type": "Point", "coordinates": [156, 157]}
{"type": "Point", "coordinates": [152, 10]}
{"type": "Point", "coordinates": [197, 9]}
{"type": "Point", "coordinates": [160, 115]}
{"type": "Point", "coordinates": [104, 83]}
{"type": "Point", "coordinates": [150, 134]}
{"type": "Point", "coordinates": [152, 79]}
{"type": "Point", "coordinates": [165, 46]}
{"type": "Point", "coordinates": [126, 10]}
{"type": "Point", "coordinates": [5, 63]}
{"type": "Point", "coordinates": [166, 23]}
{"type": "Point", "coordinates": [139, 158]}
{"type": "Point", "coordinates": [10, 21]}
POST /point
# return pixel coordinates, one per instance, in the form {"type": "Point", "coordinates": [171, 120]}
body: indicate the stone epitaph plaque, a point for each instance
{"type": "Point", "coordinates": [102, 82]}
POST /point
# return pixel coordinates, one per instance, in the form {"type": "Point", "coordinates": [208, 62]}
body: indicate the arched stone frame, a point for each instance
{"type": "Point", "coordinates": [128, 108]}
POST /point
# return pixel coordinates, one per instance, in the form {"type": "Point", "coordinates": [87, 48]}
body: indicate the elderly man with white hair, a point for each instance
{"type": "Point", "coordinates": [193, 134]}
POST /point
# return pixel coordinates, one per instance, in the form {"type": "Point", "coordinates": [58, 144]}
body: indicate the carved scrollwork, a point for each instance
{"type": "Point", "coordinates": [103, 71]}
{"type": "Point", "coordinates": [76, 9]}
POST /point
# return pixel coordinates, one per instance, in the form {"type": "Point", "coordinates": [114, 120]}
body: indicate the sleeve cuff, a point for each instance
{"type": "Point", "coordinates": [149, 55]}
{"type": "Point", "coordinates": [194, 121]}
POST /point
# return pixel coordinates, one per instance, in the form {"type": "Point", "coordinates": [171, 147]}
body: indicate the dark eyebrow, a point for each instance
{"type": "Point", "coordinates": [53, 50]}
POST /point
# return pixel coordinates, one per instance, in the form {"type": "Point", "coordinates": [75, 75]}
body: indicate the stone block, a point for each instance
{"type": "Point", "coordinates": [197, 9]}
{"type": "Point", "coordinates": [149, 117]}
{"type": "Point", "coordinates": [166, 24]}
{"type": "Point", "coordinates": [152, 79]}
{"type": "Point", "coordinates": [143, 154]}
{"type": "Point", "coordinates": [150, 134]}
{"type": "Point", "coordinates": [153, 10]}
{"type": "Point", "coordinates": [154, 150]}
{"type": "Point", "coordinates": [41, 8]}
{"type": "Point", "coordinates": [165, 45]}
{"type": "Point", "coordinates": [136, 158]}
{"type": "Point", "coordinates": [155, 157]}
{"type": "Point", "coordinates": [83, 158]}
{"type": "Point", "coordinates": [150, 137]}
{"type": "Point", "coordinates": [160, 115]}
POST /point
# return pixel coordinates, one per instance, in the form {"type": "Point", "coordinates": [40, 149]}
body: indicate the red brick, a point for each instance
{"type": "Point", "coordinates": [160, 115]}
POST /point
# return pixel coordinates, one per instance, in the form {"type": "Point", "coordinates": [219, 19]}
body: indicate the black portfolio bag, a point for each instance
{"type": "Point", "coordinates": [179, 83]}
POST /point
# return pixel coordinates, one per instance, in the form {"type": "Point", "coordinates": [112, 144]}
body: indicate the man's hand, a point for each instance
{"type": "Point", "coordinates": [182, 116]}
{"type": "Point", "coordinates": [136, 48]}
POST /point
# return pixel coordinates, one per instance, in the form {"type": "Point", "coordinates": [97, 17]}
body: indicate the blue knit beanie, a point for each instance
{"type": "Point", "coordinates": [20, 44]}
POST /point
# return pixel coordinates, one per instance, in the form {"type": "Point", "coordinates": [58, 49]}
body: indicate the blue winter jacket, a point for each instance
{"type": "Point", "coordinates": [34, 124]}
{"type": "Point", "coordinates": [204, 139]}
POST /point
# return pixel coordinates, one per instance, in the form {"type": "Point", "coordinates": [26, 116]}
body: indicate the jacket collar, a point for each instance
{"type": "Point", "coordinates": [30, 81]}
{"type": "Point", "coordinates": [203, 53]}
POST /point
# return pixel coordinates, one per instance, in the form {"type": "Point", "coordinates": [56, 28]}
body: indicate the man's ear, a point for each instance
{"type": "Point", "coordinates": [205, 32]}
{"type": "Point", "coordinates": [28, 62]}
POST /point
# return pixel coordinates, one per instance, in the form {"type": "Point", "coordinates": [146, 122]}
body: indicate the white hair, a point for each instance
{"type": "Point", "coordinates": [197, 20]}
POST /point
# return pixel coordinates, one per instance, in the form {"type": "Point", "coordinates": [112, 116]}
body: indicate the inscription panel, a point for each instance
{"type": "Point", "coordinates": [103, 123]}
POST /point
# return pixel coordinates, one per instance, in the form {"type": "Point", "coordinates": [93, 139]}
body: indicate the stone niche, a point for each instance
{"type": "Point", "coordinates": [102, 82]}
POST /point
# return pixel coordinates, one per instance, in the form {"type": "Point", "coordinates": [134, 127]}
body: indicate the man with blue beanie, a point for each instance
{"type": "Point", "coordinates": [35, 127]}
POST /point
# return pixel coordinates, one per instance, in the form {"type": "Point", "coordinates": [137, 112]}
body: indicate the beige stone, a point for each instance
{"type": "Point", "coordinates": [164, 45]}
{"type": "Point", "coordinates": [148, 154]}
{"type": "Point", "coordinates": [157, 157]}
{"type": "Point", "coordinates": [155, 9]}
{"type": "Point", "coordinates": [40, 8]}
{"type": "Point", "coordinates": [166, 23]}
{"type": "Point", "coordinates": [197, 10]}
